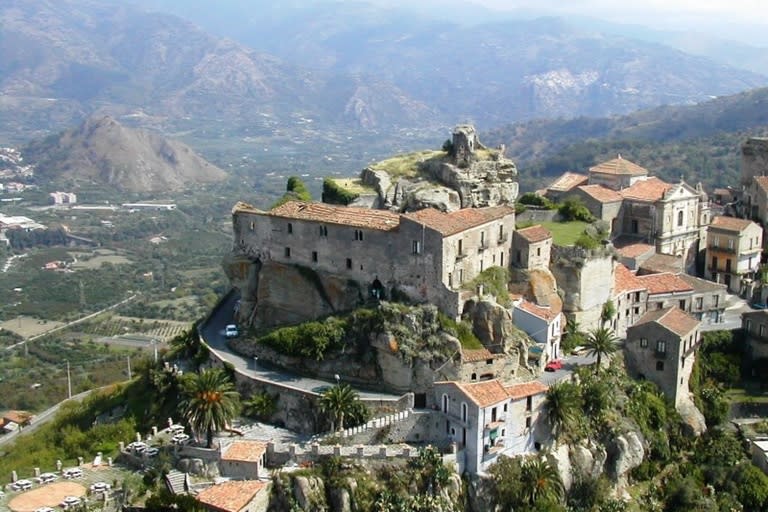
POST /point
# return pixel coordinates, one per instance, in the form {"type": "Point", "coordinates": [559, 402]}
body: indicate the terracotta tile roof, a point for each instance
{"type": "Point", "coordinates": [762, 182]}
{"type": "Point", "coordinates": [473, 356]}
{"type": "Point", "coordinates": [535, 233]}
{"type": "Point", "coordinates": [245, 451]}
{"type": "Point", "coordinates": [702, 285]}
{"type": "Point", "coordinates": [518, 391]}
{"type": "Point", "coordinates": [651, 189]}
{"type": "Point", "coordinates": [661, 263]}
{"type": "Point", "coordinates": [664, 283]}
{"type": "Point", "coordinates": [674, 319]}
{"type": "Point", "coordinates": [633, 250]}
{"type": "Point", "coordinates": [460, 220]}
{"type": "Point", "coordinates": [619, 166]}
{"type": "Point", "coordinates": [625, 281]}
{"type": "Point", "coordinates": [230, 496]}
{"type": "Point", "coordinates": [548, 314]}
{"type": "Point", "coordinates": [18, 417]}
{"type": "Point", "coordinates": [601, 193]}
{"type": "Point", "coordinates": [484, 393]}
{"type": "Point", "coordinates": [383, 220]}
{"type": "Point", "coordinates": [730, 223]}
{"type": "Point", "coordinates": [568, 181]}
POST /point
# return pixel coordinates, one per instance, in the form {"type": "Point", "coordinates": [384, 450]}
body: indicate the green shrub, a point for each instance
{"type": "Point", "coordinates": [462, 330]}
{"type": "Point", "coordinates": [573, 208]}
{"type": "Point", "coordinates": [334, 194]}
{"type": "Point", "coordinates": [494, 281]}
{"type": "Point", "coordinates": [310, 339]}
{"type": "Point", "coordinates": [533, 199]}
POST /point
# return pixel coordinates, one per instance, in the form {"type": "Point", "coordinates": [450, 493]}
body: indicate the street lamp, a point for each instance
{"type": "Point", "coordinates": [336, 376]}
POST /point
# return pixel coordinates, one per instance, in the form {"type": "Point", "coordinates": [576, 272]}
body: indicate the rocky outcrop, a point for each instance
{"type": "Point", "coordinates": [625, 453]}
{"type": "Point", "coordinates": [480, 182]}
{"type": "Point", "coordinates": [692, 417]}
{"type": "Point", "coordinates": [309, 493]}
{"type": "Point", "coordinates": [585, 279]}
{"type": "Point", "coordinates": [493, 326]}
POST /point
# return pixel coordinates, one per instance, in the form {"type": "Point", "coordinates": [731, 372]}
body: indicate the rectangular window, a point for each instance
{"type": "Point", "coordinates": [715, 300]}
{"type": "Point", "coordinates": [637, 296]}
{"type": "Point", "coordinates": [461, 275]}
{"type": "Point", "coordinates": [761, 330]}
{"type": "Point", "coordinates": [314, 256]}
{"type": "Point", "coordinates": [716, 241]}
{"type": "Point", "coordinates": [349, 263]}
{"type": "Point", "coordinates": [661, 347]}
{"type": "Point", "coordinates": [659, 366]}
{"type": "Point", "coordinates": [416, 247]}
{"type": "Point", "coordinates": [730, 243]}
{"type": "Point", "coordinates": [482, 239]}
{"type": "Point", "coordinates": [323, 231]}
{"type": "Point", "coordinates": [450, 279]}
{"type": "Point", "coordinates": [643, 342]}
{"type": "Point", "coordinates": [529, 404]}
{"type": "Point", "coordinates": [699, 302]}
{"type": "Point", "coordinates": [528, 422]}
{"type": "Point", "coordinates": [501, 233]}
{"type": "Point", "coordinates": [290, 228]}
{"type": "Point", "coordinates": [287, 252]}
{"type": "Point", "coordinates": [682, 305]}
{"type": "Point", "coordinates": [505, 407]}
{"type": "Point", "coordinates": [749, 325]}
{"type": "Point", "coordinates": [538, 251]}
{"type": "Point", "coordinates": [461, 247]}
{"type": "Point", "coordinates": [359, 234]}
{"type": "Point", "coordinates": [636, 311]}
{"type": "Point", "coordinates": [253, 225]}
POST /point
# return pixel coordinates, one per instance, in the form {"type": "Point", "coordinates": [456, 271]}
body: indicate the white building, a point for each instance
{"type": "Point", "coordinates": [488, 419]}
{"type": "Point", "coordinates": [543, 324]}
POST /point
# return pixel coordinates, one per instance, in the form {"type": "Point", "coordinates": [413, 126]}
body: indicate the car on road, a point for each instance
{"type": "Point", "coordinates": [554, 365]}
{"type": "Point", "coordinates": [44, 509]}
{"type": "Point", "coordinates": [21, 485]}
{"type": "Point", "coordinates": [100, 487]}
{"type": "Point", "coordinates": [46, 478]}
{"type": "Point", "coordinates": [230, 331]}
{"type": "Point", "coordinates": [70, 502]}
{"type": "Point", "coordinates": [72, 473]}
{"type": "Point", "coordinates": [579, 351]}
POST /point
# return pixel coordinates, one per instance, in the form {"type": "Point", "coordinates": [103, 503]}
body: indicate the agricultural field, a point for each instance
{"type": "Point", "coordinates": [26, 326]}
{"type": "Point", "coordinates": [87, 261]}
{"type": "Point", "coordinates": [115, 325]}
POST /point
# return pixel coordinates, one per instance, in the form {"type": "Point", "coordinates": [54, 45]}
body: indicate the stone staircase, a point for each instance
{"type": "Point", "coordinates": [177, 482]}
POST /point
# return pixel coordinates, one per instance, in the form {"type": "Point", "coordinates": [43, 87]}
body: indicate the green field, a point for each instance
{"type": "Point", "coordinates": [565, 233]}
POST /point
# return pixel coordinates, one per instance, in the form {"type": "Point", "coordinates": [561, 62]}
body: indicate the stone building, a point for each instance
{"type": "Point", "coordinates": [488, 419]}
{"type": "Point", "coordinates": [585, 279]}
{"type": "Point", "coordinates": [630, 298]}
{"type": "Point", "coordinates": [235, 496]}
{"type": "Point", "coordinates": [733, 253]}
{"type": "Point", "coordinates": [244, 460]}
{"type": "Point", "coordinates": [602, 202]}
{"type": "Point", "coordinates": [708, 299]}
{"type": "Point", "coordinates": [531, 248]}
{"type": "Point", "coordinates": [666, 290]}
{"type": "Point", "coordinates": [345, 255]}
{"type": "Point", "coordinates": [617, 174]}
{"type": "Point", "coordinates": [756, 200]}
{"type": "Point", "coordinates": [754, 159]}
{"type": "Point", "coordinates": [661, 347]}
{"type": "Point", "coordinates": [564, 185]}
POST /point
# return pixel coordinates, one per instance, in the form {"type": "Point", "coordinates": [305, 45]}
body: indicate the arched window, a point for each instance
{"type": "Point", "coordinates": [445, 403]}
{"type": "Point", "coordinates": [680, 217]}
{"type": "Point", "coordinates": [463, 412]}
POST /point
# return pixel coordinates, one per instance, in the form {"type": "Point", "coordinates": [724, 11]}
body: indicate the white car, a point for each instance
{"type": "Point", "coordinates": [21, 485]}
{"type": "Point", "coordinates": [100, 487]}
{"type": "Point", "coordinates": [44, 509]}
{"type": "Point", "coordinates": [180, 439]}
{"type": "Point", "coordinates": [72, 473]}
{"type": "Point", "coordinates": [46, 478]}
{"type": "Point", "coordinates": [137, 446]}
{"type": "Point", "coordinates": [230, 331]}
{"type": "Point", "coordinates": [70, 501]}
{"type": "Point", "coordinates": [152, 452]}
{"type": "Point", "coordinates": [176, 429]}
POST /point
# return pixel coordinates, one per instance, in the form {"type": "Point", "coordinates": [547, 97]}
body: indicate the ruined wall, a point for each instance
{"type": "Point", "coordinates": [585, 279]}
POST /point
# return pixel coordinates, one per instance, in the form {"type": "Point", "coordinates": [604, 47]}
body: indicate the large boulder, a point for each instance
{"type": "Point", "coordinates": [309, 493]}
{"type": "Point", "coordinates": [625, 453]}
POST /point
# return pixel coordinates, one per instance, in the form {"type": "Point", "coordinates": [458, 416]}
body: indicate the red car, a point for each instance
{"type": "Point", "coordinates": [554, 365]}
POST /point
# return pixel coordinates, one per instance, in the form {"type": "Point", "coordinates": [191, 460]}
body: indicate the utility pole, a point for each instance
{"type": "Point", "coordinates": [69, 382]}
{"type": "Point", "coordinates": [154, 346]}
{"type": "Point", "coordinates": [129, 367]}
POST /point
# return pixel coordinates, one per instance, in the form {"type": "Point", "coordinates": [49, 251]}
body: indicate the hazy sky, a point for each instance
{"type": "Point", "coordinates": [663, 13]}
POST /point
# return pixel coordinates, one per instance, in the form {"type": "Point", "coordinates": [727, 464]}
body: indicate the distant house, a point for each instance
{"type": "Point", "coordinates": [666, 290]}
{"type": "Point", "coordinates": [531, 247]}
{"type": "Point", "coordinates": [244, 460]}
{"type": "Point", "coordinates": [707, 300]}
{"type": "Point", "coordinates": [632, 253]}
{"type": "Point", "coordinates": [488, 419]}
{"type": "Point", "coordinates": [62, 198]}
{"type": "Point", "coordinates": [734, 247]}
{"type": "Point", "coordinates": [15, 420]}
{"type": "Point", "coordinates": [661, 347]}
{"type": "Point", "coordinates": [235, 496]}
{"type": "Point", "coordinates": [543, 324]}
{"type": "Point", "coordinates": [604, 203]}
{"type": "Point", "coordinates": [630, 299]}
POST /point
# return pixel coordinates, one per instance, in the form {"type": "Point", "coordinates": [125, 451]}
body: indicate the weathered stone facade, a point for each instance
{"type": "Point", "coordinates": [585, 279]}
{"type": "Point", "coordinates": [344, 256]}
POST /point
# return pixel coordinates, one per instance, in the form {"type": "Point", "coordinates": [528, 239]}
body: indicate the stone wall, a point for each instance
{"type": "Point", "coordinates": [585, 279]}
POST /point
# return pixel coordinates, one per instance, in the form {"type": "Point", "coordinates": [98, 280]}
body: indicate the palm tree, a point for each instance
{"type": "Point", "coordinates": [541, 482]}
{"type": "Point", "coordinates": [601, 342]}
{"type": "Point", "coordinates": [338, 402]}
{"type": "Point", "coordinates": [562, 407]}
{"type": "Point", "coordinates": [209, 401]}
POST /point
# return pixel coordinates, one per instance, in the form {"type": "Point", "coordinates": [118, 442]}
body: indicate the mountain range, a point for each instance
{"type": "Point", "coordinates": [325, 67]}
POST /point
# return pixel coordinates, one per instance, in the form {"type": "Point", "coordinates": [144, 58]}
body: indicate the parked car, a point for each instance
{"type": "Point", "coordinates": [137, 447]}
{"type": "Point", "coordinates": [21, 485]}
{"type": "Point", "coordinates": [230, 331]}
{"type": "Point", "coordinates": [176, 429]}
{"type": "Point", "coordinates": [554, 365]}
{"type": "Point", "coordinates": [100, 487]}
{"type": "Point", "coordinates": [152, 452]}
{"type": "Point", "coordinates": [579, 351]}
{"type": "Point", "coordinates": [46, 478]}
{"type": "Point", "coordinates": [44, 509]}
{"type": "Point", "coordinates": [70, 501]}
{"type": "Point", "coordinates": [72, 473]}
